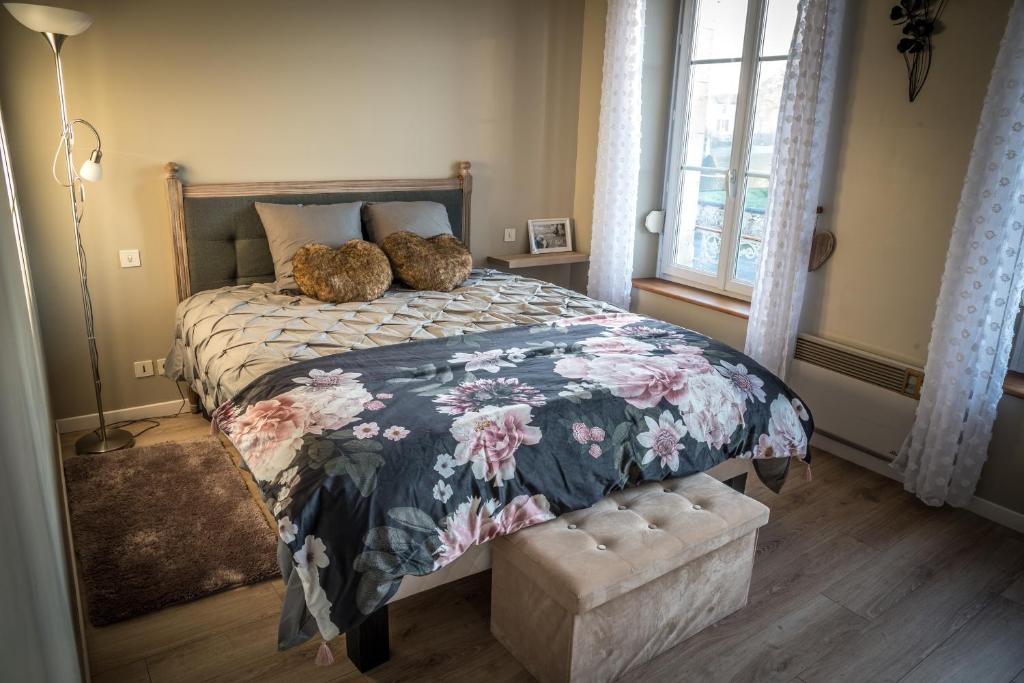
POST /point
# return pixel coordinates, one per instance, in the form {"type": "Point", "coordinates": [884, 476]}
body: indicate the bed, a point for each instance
{"type": "Point", "coordinates": [418, 361]}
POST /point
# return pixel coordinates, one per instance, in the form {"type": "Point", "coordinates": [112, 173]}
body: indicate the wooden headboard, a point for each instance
{"type": "Point", "coordinates": [219, 238]}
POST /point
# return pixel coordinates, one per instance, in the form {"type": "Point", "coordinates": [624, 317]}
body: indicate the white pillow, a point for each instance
{"type": "Point", "coordinates": [425, 219]}
{"type": "Point", "coordinates": [290, 227]}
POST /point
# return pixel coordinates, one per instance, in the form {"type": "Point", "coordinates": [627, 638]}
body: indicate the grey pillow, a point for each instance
{"type": "Point", "coordinates": [425, 219]}
{"type": "Point", "coordinates": [290, 227]}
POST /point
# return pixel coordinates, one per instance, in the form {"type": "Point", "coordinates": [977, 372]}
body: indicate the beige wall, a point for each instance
{"type": "Point", "coordinates": [275, 91]}
{"type": "Point", "coordinates": [591, 64]}
{"type": "Point", "coordinates": [890, 195]}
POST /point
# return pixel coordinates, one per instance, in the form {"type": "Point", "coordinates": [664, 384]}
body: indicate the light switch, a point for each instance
{"type": "Point", "coordinates": [130, 258]}
{"type": "Point", "coordinates": [143, 368]}
{"type": "Point", "coordinates": [510, 234]}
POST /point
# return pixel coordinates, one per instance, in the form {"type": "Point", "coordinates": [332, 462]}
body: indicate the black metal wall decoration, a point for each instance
{"type": "Point", "coordinates": [919, 20]}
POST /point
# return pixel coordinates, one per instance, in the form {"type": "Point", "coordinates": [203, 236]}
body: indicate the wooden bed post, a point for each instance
{"type": "Point", "coordinates": [177, 208]}
{"type": "Point", "coordinates": [466, 179]}
{"type": "Point", "coordinates": [182, 286]}
{"type": "Point", "coordinates": [369, 644]}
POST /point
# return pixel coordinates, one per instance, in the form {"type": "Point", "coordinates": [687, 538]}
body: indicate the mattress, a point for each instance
{"type": "Point", "coordinates": [226, 338]}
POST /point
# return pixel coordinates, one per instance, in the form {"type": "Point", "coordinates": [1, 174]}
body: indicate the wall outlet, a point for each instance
{"type": "Point", "coordinates": [160, 365]}
{"type": "Point", "coordinates": [510, 234]}
{"type": "Point", "coordinates": [130, 258]}
{"type": "Point", "coordinates": [143, 368]}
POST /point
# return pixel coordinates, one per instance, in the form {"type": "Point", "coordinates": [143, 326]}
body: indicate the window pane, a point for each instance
{"type": "Point", "coordinates": [719, 29]}
{"type": "Point", "coordinates": [701, 213]}
{"type": "Point", "coordinates": [767, 99]}
{"type": "Point", "coordinates": [755, 201]}
{"type": "Point", "coordinates": [711, 114]}
{"type": "Point", "coordinates": [778, 28]}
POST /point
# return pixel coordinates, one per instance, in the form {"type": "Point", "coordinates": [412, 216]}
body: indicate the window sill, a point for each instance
{"type": "Point", "coordinates": [692, 295]}
{"type": "Point", "coordinates": [1013, 385]}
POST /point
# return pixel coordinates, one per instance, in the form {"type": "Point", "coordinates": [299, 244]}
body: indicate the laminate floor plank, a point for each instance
{"type": "Point", "coordinates": [990, 647]}
{"type": "Point", "coordinates": [152, 634]}
{"type": "Point", "coordinates": [963, 585]}
{"type": "Point", "coordinates": [906, 565]}
{"type": "Point", "coordinates": [754, 648]}
{"type": "Point", "coordinates": [136, 672]}
{"type": "Point", "coordinates": [253, 656]}
{"type": "Point", "coordinates": [1016, 591]}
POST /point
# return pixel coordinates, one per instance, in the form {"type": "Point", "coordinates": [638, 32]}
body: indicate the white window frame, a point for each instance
{"type": "Point", "coordinates": [736, 175]}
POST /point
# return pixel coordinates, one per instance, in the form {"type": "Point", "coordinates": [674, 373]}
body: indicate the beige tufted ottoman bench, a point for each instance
{"type": "Point", "coordinates": [596, 592]}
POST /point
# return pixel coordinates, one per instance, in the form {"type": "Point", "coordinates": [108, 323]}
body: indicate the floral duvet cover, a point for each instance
{"type": "Point", "coordinates": [393, 461]}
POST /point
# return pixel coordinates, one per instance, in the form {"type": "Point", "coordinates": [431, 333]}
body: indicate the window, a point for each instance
{"type": "Point", "coordinates": [730, 67]}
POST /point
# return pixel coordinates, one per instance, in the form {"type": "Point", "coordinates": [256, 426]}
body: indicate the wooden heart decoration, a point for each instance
{"type": "Point", "coordinates": [822, 245]}
{"type": "Point", "coordinates": [355, 271]}
{"type": "Point", "coordinates": [439, 263]}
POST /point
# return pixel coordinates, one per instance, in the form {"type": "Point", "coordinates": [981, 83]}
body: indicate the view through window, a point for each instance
{"type": "Point", "coordinates": [732, 62]}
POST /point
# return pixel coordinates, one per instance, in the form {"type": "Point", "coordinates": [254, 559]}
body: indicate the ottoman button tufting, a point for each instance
{"type": "Point", "coordinates": [667, 490]}
{"type": "Point", "coordinates": [572, 526]}
{"type": "Point", "coordinates": [622, 507]}
{"type": "Point", "coordinates": [697, 507]}
{"type": "Point", "coordinates": [651, 526]}
{"type": "Point", "coordinates": [602, 546]}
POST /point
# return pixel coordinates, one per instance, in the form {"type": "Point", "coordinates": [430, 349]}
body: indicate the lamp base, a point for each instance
{"type": "Point", "coordinates": [93, 443]}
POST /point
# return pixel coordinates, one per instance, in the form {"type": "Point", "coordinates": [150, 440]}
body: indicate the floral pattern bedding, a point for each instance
{"type": "Point", "coordinates": [393, 461]}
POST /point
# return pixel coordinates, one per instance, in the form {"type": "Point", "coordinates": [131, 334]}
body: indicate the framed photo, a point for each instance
{"type": "Point", "coordinates": [549, 235]}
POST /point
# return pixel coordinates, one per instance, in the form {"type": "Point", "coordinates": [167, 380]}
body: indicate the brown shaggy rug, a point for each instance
{"type": "Point", "coordinates": [159, 525]}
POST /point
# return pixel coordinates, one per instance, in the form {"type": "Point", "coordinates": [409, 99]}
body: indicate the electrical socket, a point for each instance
{"type": "Point", "coordinates": [143, 368]}
{"type": "Point", "coordinates": [129, 258]}
{"type": "Point", "coordinates": [160, 365]}
{"type": "Point", "coordinates": [510, 234]}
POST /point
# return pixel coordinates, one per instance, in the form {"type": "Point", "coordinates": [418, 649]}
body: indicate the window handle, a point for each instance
{"type": "Point", "coordinates": [730, 183]}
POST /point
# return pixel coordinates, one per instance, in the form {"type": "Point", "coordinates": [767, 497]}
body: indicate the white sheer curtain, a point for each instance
{"type": "Point", "coordinates": [979, 299]}
{"type": "Point", "coordinates": [796, 179]}
{"type": "Point", "coordinates": [618, 154]}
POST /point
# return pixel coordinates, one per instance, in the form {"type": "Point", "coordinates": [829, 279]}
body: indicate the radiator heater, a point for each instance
{"type": "Point", "coordinates": [858, 398]}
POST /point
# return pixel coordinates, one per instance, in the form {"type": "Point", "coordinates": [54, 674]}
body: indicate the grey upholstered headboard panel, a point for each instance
{"type": "Point", "coordinates": [219, 238]}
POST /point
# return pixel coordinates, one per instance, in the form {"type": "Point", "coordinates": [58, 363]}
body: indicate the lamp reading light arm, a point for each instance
{"type": "Point", "coordinates": [68, 138]}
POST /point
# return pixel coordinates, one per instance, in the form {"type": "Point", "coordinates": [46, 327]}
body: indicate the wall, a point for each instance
{"type": "Point", "coordinates": [890, 195]}
{"type": "Point", "coordinates": [274, 91]}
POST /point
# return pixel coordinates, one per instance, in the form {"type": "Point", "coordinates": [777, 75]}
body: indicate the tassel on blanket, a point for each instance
{"type": "Point", "coordinates": [807, 473]}
{"type": "Point", "coordinates": [324, 657]}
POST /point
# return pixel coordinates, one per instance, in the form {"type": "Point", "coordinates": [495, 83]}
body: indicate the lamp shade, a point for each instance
{"type": "Point", "coordinates": [44, 19]}
{"type": "Point", "coordinates": [91, 171]}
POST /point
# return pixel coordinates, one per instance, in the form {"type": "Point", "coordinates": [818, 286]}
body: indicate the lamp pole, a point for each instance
{"type": "Point", "coordinates": [103, 439]}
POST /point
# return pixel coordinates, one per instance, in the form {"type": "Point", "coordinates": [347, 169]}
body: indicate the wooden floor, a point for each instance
{"type": "Point", "coordinates": [854, 581]}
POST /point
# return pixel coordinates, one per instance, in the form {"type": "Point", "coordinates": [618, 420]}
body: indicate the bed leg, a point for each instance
{"type": "Point", "coordinates": [368, 644]}
{"type": "Point", "coordinates": [737, 483]}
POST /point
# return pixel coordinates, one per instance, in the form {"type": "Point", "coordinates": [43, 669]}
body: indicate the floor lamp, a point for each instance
{"type": "Point", "coordinates": [57, 25]}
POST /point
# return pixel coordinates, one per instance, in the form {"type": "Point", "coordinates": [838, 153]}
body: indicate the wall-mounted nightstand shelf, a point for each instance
{"type": "Point", "coordinates": [514, 261]}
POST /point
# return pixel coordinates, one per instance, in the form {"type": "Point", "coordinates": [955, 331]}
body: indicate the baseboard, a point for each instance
{"type": "Point", "coordinates": [979, 506]}
{"type": "Point", "coordinates": [91, 421]}
{"type": "Point", "coordinates": [997, 513]}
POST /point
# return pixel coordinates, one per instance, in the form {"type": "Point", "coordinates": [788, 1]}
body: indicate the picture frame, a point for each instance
{"type": "Point", "coordinates": [549, 235]}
